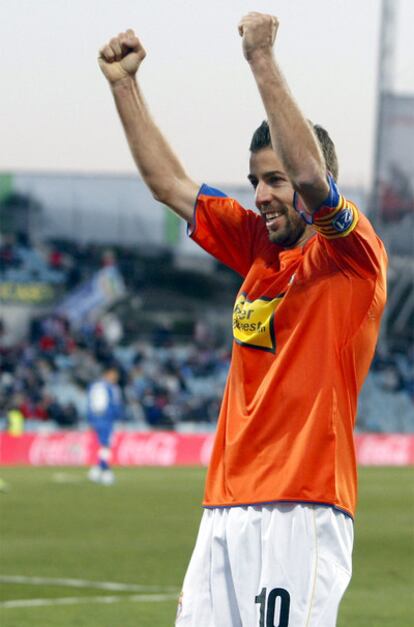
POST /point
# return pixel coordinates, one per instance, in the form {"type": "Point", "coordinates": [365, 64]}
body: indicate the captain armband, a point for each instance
{"type": "Point", "coordinates": [335, 217]}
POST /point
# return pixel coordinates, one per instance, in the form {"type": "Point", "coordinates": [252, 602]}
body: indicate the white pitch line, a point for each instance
{"type": "Point", "coordinates": [137, 598]}
{"type": "Point", "coordinates": [65, 477]}
{"type": "Point", "coordinates": [83, 583]}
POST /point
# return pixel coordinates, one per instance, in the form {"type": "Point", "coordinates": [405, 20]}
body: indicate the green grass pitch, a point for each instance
{"type": "Point", "coordinates": [57, 526]}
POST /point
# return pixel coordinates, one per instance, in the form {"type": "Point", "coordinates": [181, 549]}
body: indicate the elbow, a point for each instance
{"type": "Point", "coordinates": [172, 191]}
{"type": "Point", "coordinates": [160, 196]}
{"type": "Point", "coordinates": [165, 194]}
{"type": "Point", "coordinates": [313, 187]}
{"type": "Point", "coordinates": [318, 187]}
{"type": "Point", "coordinates": [313, 177]}
{"type": "Point", "coordinates": [161, 192]}
{"type": "Point", "coordinates": [312, 184]}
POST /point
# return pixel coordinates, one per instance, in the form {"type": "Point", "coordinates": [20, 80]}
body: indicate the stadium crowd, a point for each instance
{"type": "Point", "coordinates": [164, 383]}
{"type": "Point", "coordinates": [167, 382]}
{"type": "Point", "coordinates": [58, 263]}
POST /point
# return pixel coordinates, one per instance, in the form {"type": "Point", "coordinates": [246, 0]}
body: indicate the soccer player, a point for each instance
{"type": "Point", "coordinates": [275, 541]}
{"type": "Point", "coordinates": [104, 409]}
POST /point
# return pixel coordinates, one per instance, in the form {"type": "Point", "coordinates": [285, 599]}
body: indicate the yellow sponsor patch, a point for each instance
{"type": "Point", "coordinates": [30, 293]}
{"type": "Point", "coordinates": [253, 322]}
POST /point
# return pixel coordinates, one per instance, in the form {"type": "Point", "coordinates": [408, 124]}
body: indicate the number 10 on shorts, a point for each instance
{"type": "Point", "coordinates": [268, 604]}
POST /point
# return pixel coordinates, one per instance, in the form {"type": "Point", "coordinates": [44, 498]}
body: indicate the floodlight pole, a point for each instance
{"type": "Point", "coordinates": [386, 58]}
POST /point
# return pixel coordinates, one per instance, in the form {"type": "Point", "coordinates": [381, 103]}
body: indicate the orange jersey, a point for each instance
{"type": "Point", "coordinates": [305, 325]}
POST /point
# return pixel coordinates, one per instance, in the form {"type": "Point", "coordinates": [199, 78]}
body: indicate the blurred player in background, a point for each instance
{"type": "Point", "coordinates": [104, 409]}
{"type": "Point", "coordinates": [275, 541]}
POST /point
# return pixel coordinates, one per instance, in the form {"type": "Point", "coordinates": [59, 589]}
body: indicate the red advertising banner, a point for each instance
{"type": "Point", "coordinates": [154, 448]}
{"type": "Point", "coordinates": [381, 449]}
{"type": "Point", "coordinates": [168, 449]}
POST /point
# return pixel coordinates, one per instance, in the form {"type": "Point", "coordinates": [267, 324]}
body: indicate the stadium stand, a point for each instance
{"type": "Point", "coordinates": [169, 380]}
{"type": "Point", "coordinates": [168, 329]}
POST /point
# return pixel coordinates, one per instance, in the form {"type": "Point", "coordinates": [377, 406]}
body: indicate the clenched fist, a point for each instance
{"type": "Point", "coordinates": [121, 57]}
{"type": "Point", "coordinates": [258, 31]}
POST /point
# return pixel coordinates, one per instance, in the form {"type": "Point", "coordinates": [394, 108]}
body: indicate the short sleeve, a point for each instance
{"type": "Point", "coordinates": [347, 235]}
{"type": "Point", "coordinates": [226, 230]}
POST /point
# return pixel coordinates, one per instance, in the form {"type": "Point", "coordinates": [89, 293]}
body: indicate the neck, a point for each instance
{"type": "Point", "coordinates": [301, 241]}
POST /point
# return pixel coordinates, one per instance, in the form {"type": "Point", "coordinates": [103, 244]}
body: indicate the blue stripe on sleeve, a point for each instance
{"type": "Point", "coordinates": [204, 190]}
{"type": "Point", "coordinates": [211, 191]}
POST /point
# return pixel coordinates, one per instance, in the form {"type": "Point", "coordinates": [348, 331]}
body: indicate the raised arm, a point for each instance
{"type": "Point", "coordinates": [292, 137]}
{"type": "Point", "coordinates": [119, 61]}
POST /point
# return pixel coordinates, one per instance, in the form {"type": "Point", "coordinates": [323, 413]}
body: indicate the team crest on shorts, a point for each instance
{"type": "Point", "coordinates": [180, 605]}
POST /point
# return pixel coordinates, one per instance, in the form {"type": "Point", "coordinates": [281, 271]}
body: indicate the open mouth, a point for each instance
{"type": "Point", "coordinates": [273, 219]}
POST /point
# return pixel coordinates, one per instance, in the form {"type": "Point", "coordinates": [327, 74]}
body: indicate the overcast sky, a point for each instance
{"type": "Point", "coordinates": [57, 112]}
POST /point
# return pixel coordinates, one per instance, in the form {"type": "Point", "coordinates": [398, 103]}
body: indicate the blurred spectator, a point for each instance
{"type": "Point", "coordinates": [6, 338]}
{"type": "Point", "coordinates": [15, 420]}
{"type": "Point", "coordinates": [112, 329]}
{"type": "Point", "coordinates": [162, 335]}
{"type": "Point", "coordinates": [165, 382]}
{"type": "Point", "coordinates": [56, 259]}
{"type": "Point", "coordinates": [9, 257]}
{"type": "Point", "coordinates": [108, 258]}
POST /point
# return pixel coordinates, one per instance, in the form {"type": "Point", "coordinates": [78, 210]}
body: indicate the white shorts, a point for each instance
{"type": "Point", "coordinates": [282, 565]}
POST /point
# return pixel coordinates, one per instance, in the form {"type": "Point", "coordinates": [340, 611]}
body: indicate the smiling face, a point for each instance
{"type": "Point", "coordinates": [274, 200]}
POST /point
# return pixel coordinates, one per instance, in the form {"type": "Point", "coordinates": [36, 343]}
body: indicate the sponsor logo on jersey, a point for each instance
{"type": "Point", "coordinates": [343, 220]}
{"type": "Point", "coordinates": [253, 322]}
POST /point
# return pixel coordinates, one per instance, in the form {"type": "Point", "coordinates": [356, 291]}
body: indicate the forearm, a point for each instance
{"type": "Point", "coordinates": [292, 136]}
{"type": "Point", "coordinates": [158, 165]}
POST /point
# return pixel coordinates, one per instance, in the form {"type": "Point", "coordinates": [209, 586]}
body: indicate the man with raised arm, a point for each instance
{"type": "Point", "coordinates": [275, 541]}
